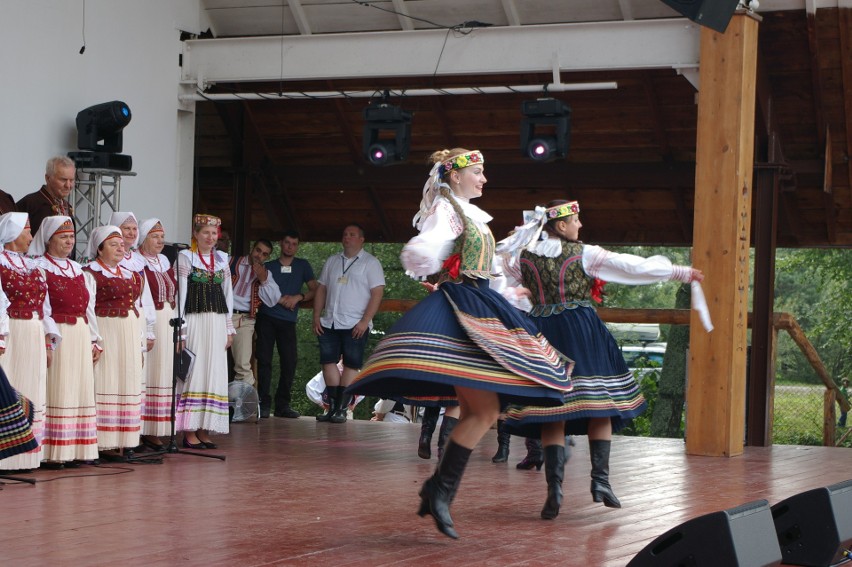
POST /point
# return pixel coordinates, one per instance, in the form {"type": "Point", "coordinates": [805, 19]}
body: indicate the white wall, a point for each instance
{"type": "Point", "coordinates": [132, 51]}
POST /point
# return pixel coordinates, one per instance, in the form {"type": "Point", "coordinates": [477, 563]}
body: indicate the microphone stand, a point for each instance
{"type": "Point", "coordinates": [177, 367]}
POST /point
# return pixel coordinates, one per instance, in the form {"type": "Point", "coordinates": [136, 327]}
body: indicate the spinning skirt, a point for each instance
{"type": "Point", "coordinates": [203, 397]}
{"type": "Point", "coordinates": [70, 419]}
{"type": "Point", "coordinates": [25, 363]}
{"type": "Point", "coordinates": [118, 383]}
{"type": "Point", "coordinates": [156, 414]}
{"type": "Point", "coordinates": [603, 386]}
{"type": "Point", "coordinates": [465, 335]}
{"type": "Point", "coordinates": [16, 415]}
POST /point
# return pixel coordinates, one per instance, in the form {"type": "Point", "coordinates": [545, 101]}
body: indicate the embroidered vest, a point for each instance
{"type": "Point", "coordinates": [116, 297]}
{"type": "Point", "coordinates": [25, 293]}
{"type": "Point", "coordinates": [162, 286]}
{"type": "Point", "coordinates": [204, 293]}
{"type": "Point", "coordinates": [68, 298]}
{"type": "Point", "coordinates": [558, 283]}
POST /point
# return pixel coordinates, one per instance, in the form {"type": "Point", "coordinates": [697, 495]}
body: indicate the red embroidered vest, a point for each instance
{"type": "Point", "coordinates": [69, 297]}
{"type": "Point", "coordinates": [25, 292]}
{"type": "Point", "coordinates": [116, 297]}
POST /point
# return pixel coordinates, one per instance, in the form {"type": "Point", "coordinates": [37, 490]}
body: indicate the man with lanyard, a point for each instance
{"type": "Point", "coordinates": [252, 286]}
{"type": "Point", "coordinates": [350, 290]}
{"type": "Point", "coordinates": [276, 325]}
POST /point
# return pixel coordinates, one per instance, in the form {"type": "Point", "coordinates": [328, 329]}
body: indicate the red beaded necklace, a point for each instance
{"type": "Point", "coordinates": [211, 267]}
{"type": "Point", "coordinates": [63, 271]}
{"type": "Point", "coordinates": [22, 269]}
{"type": "Point", "coordinates": [116, 271]}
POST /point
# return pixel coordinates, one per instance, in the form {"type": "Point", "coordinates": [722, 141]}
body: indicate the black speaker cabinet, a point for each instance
{"type": "Point", "coordinates": [815, 527]}
{"type": "Point", "coordinates": [740, 537]}
{"type": "Point", "coordinates": [715, 14]}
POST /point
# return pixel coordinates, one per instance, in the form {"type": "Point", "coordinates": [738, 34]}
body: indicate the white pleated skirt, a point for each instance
{"type": "Point", "coordinates": [203, 397]}
{"type": "Point", "coordinates": [25, 364]}
{"type": "Point", "coordinates": [70, 430]}
{"type": "Point", "coordinates": [118, 383]}
{"type": "Point", "coordinates": [156, 414]}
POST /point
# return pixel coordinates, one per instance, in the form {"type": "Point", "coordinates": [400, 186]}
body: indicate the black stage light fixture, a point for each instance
{"type": "Point", "coordinates": [102, 123]}
{"type": "Point", "coordinates": [99, 136]}
{"type": "Point", "coordinates": [387, 133]}
{"type": "Point", "coordinates": [738, 537]}
{"type": "Point", "coordinates": [549, 114]}
{"type": "Point", "coordinates": [714, 14]}
{"type": "Point", "coordinates": [815, 527]}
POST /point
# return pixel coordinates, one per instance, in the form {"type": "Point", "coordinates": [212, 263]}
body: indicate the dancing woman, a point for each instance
{"type": "Point", "coordinates": [70, 431]}
{"type": "Point", "coordinates": [206, 301]}
{"type": "Point", "coordinates": [464, 340]}
{"type": "Point", "coordinates": [565, 276]}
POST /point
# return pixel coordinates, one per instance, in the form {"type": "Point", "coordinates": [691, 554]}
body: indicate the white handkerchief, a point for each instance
{"type": "Point", "coordinates": [699, 303]}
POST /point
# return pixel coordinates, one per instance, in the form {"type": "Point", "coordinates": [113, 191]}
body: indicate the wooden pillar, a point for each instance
{"type": "Point", "coordinates": [715, 420]}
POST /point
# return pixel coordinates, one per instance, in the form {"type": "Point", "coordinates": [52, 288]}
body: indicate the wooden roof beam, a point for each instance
{"type": "Point", "coordinates": [844, 23]}
{"type": "Point", "coordinates": [817, 86]}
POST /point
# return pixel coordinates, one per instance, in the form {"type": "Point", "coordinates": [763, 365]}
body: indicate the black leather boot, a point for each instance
{"type": "Point", "coordinates": [427, 428]}
{"type": "Point", "coordinates": [534, 457]}
{"type": "Point", "coordinates": [343, 406]}
{"type": "Point", "coordinates": [601, 490]}
{"type": "Point", "coordinates": [439, 490]}
{"type": "Point", "coordinates": [503, 438]}
{"type": "Point", "coordinates": [554, 472]}
{"type": "Point", "coordinates": [447, 426]}
{"type": "Point", "coordinates": [333, 404]}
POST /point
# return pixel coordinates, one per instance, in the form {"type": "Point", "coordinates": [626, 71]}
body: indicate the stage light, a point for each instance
{"type": "Point", "coordinates": [102, 123]}
{"type": "Point", "coordinates": [387, 133]}
{"type": "Point", "coordinates": [545, 114]}
{"type": "Point", "coordinates": [714, 14]}
{"type": "Point", "coordinates": [99, 136]}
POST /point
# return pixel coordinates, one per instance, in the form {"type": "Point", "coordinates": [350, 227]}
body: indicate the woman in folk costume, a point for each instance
{"type": "Point", "coordinates": [118, 374]}
{"type": "Point", "coordinates": [16, 417]}
{"type": "Point", "coordinates": [28, 340]}
{"type": "Point", "coordinates": [206, 302]}
{"type": "Point", "coordinates": [133, 261]}
{"type": "Point", "coordinates": [464, 340]}
{"type": "Point", "coordinates": [564, 276]}
{"type": "Point", "coordinates": [70, 431]}
{"type": "Point", "coordinates": [160, 276]}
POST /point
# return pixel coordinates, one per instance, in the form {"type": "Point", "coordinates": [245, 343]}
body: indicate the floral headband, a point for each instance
{"type": "Point", "coordinates": [206, 220]}
{"type": "Point", "coordinates": [563, 210]}
{"type": "Point", "coordinates": [462, 161]}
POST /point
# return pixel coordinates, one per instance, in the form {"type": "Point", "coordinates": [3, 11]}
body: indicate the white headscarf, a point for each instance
{"type": "Point", "coordinates": [97, 237]}
{"type": "Point", "coordinates": [48, 228]}
{"type": "Point", "coordinates": [11, 226]}
{"type": "Point", "coordinates": [145, 227]}
{"type": "Point", "coordinates": [119, 218]}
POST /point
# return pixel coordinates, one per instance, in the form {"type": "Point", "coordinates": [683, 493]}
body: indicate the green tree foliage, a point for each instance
{"type": "Point", "coordinates": [813, 285]}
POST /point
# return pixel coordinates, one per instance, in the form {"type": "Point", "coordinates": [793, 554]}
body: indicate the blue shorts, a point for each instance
{"type": "Point", "coordinates": [336, 342]}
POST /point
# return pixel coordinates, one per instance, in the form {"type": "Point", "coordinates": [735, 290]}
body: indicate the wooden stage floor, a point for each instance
{"type": "Point", "coordinates": [298, 492]}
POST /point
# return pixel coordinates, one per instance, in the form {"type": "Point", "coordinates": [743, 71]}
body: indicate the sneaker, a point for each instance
{"type": "Point", "coordinates": [287, 412]}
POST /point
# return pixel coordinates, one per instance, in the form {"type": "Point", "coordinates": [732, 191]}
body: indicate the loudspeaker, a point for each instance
{"type": "Point", "coordinates": [740, 537]}
{"type": "Point", "coordinates": [815, 527]}
{"type": "Point", "coordinates": [715, 14]}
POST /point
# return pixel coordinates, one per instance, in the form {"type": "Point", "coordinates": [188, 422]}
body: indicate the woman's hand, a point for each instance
{"type": "Point", "coordinates": [96, 354]}
{"type": "Point", "coordinates": [49, 357]}
{"type": "Point", "coordinates": [149, 345]}
{"type": "Point", "coordinates": [229, 342]}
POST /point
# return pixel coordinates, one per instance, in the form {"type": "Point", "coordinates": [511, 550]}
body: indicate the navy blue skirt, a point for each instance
{"type": "Point", "coordinates": [465, 335]}
{"type": "Point", "coordinates": [603, 385]}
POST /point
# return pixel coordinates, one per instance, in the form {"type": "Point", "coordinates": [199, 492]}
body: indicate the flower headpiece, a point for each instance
{"type": "Point", "coordinates": [201, 219]}
{"type": "Point", "coordinates": [462, 161]}
{"type": "Point", "coordinates": [563, 210]}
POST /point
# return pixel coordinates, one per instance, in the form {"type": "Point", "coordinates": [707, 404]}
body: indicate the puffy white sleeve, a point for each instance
{"type": "Point", "coordinates": [91, 286]}
{"type": "Point", "coordinates": [268, 292]}
{"type": "Point", "coordinates": [425, 253]}
{"type": "Point", "coordinates": [629, 269]}
{"type": "Point", "coordinates": [507, 282]}
{"type": "Point", "coordinates": [52, 336]}
{"type": "Point", "coordinates": [4, 317]}
{"type": "Point", "coordinates": [149, 311]}
{"type": "Point", "coordinates": [182, 269]}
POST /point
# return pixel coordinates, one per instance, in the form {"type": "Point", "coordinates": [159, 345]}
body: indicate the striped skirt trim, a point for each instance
{"type": "Point", "coordinates": [16, 434]}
